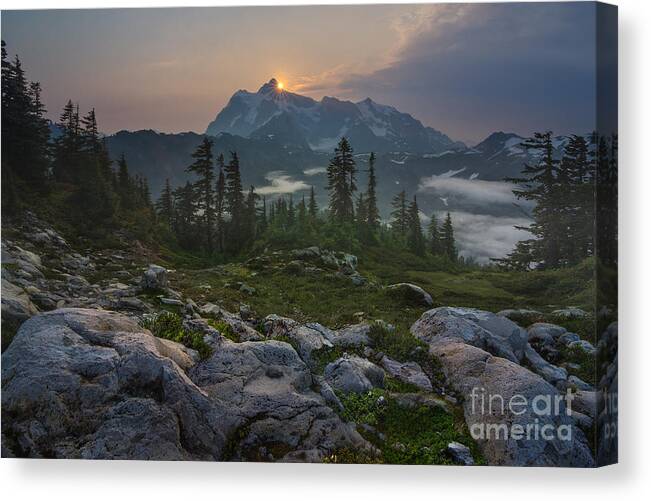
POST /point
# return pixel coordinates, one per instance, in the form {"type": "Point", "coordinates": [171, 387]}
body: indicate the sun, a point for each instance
{"type": "Point", "coordinates": [280, 86]}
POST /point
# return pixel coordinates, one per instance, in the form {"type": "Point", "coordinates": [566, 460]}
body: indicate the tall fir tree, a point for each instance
{"type": "Point", "coordinates": [312, 207]}
{"type": "Point", "coordinates": [435, 238]}
{"type": "Point", "coordinates": [415, 239]}
{"type": "Point", "coordinates": [203, 167]}
{"type": "Point", "coordinates": [399, 215]}
{"type": "Point", "coordinates": [449, 244]}
{"type": "Point", "coordinates": [341, 182]}
{"type": "Point", "coordinates": [540, 185]}
{"type": "Point", "coordinates": [165, 204]}
{"type": "Point", "coordinates": [372, 212]}
{"type": "Point", "coordinates": [220, 204]}
{"type": "Point", "coordinates": [234, 199]}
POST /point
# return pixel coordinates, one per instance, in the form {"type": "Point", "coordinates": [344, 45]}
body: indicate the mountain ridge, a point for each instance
{"type": "Point", "coordinates": [369, 125]}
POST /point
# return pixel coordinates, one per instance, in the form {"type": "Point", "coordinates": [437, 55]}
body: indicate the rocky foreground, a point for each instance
{"type": "Point", "coordinates": [83, 377]}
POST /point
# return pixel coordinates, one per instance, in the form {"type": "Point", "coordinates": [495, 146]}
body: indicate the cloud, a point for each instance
{"type": "Point", "coordinates": [281, 183]}
{"type": "Point", "coordinates": [313, 171]}
{"type": "Point", "coordinates": [467, 190]}
{"type": "Point", "coordinates": [472, 69]}
{"type": "Point", "coordinates": [482, 236]}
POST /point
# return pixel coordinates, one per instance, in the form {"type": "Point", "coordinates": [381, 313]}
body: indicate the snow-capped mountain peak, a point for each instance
{"type": "Point", "coordinates": [369, 126]}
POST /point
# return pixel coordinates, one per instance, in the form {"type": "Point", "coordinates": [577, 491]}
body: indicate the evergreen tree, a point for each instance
{"type": "Point", "coordinates": [220, 204]}
{"type": "Point", "coordinates": [291, 212]}
{"type": "Point", "coordinates": [312, 207]}
{"type": "Point", "coordinates": [341, 182]}
{"type": "Point", "coordinates": [262, 216]}
{"type": "Point", "coordinates": [204, 169]}
{"type": "Point", "coordinates": [415, 239]}
{"type": "Point", "coordinates": [541, 186]}
{"type": "Point", "coordinates": [435, 238]}
{"type": "Point", "coordinates": [68, 146]}
{"type": "Point", "coordinates": [165, 204]}
{"type": "Point", "coordinates": [449, 245]}
{"type": "Point", "coordinates": [184, 215]}
{"type": "Point", "coordinates": [251, 215]}
{"type": "Point", "coordinates": [399, 215]}
{"type": "Point", "coordinates": [372, 212]}
{"type": "Point", "coordinates": [363, 228]}
{"type": "Point", "coordinates": [234, 199]}
{"type": "Point", "coordinates": [125, 185]}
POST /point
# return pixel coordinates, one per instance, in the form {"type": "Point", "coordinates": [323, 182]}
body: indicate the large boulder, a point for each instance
{"type": "Point", "coordinates": [412, 293]}
{"type": "Point", "coordinates": [270, 388]}
{"type": "Point", "coordinates": [351, 373]}
{"type": "Point", "coordinates": [501, 399]}
{"type": "Point", "coordinates": [482, 329]}
{"type": "Point", "coordinates": [505, 408]}
{"type": "Point", "coordinates": [154, 278]}
{"type": "Point", "coordinates": [93, 384]}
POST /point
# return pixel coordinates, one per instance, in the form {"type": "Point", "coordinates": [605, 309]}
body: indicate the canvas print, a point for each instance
{"type": "Point", "coordinates": [381, 234]}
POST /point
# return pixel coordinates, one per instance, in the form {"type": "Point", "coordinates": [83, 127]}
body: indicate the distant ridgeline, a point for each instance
{"type": "Point", "coordinates": [207, 202]}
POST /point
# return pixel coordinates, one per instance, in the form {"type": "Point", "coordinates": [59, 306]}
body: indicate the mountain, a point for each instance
{"type": "Point", "coordinates": [320, 124]}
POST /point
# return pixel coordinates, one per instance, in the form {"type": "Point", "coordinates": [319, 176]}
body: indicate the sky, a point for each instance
{"type": "Point", "coordinates": [465, 69]}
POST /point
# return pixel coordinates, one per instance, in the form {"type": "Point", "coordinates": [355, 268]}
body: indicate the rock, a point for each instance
{"type": "Point", "coordinates": [328, 393]}
{"type": "Point", "coordinates": [351, 373]}
{"type": "Point", "coordinates": [585, 402]}
{"type": "Point", "coordinates": [415, 400]}
{"type": "Point", "coordinates": [352, 336]}
{"type": "Point", "coordinates": [100, 378]}
{"type": "Point", "coordinates": [579, 383]}
{"type": "Point", "coordinates": [246, 289]}
{"type": "Point", "coordinates": [357, 279]}
{"type": "Point", "coordinates": [407, 372]}
{"type": "Point", "coordinates": [184, 357]}
{"type": "Point", "coordinates": [472, 372]}
{"type": "Point", "coordinates": [521, 316]}
{"type": "Point", "coordinates": [457, 337]}
{"type": "Point", "coordinates": [583, 345]}
{"type": "Point", "coordinates": [345, 263]}
{"type": "Point", "coordinates": [244, 331]}
{"type": "Point", "coordinates": [460, 454]}
{"type": "Point", "coordinates": [282, 417]}
{"type": "Point", "coordinates": [570, 312]}
{"type": "Point", "coordinates": [482, 329]}
{"type": "Point", "coordinates": [171, 301]}
{"type": "Point", "coordinates": [155, 278]}
{"type": "Point", "coordinates": [245, 312]}
{"type": "Point", "coordinates": [16, 304]}
{"type": "Point", "coordinates": [411, 293]}
{"type": "Point", "coordinates": [567, 338]}
{"type": "Point", "coordinates": [540, 366]}
{"type": "Point", "coordinates": [544, 334]}
{"type": "Point", "coordinates": [306, 338]}
{"type": "Point", "coordinates": [582, 421]}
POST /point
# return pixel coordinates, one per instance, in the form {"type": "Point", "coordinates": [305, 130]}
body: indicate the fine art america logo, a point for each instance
{"type": "Point", "coordinates": [546, 411]}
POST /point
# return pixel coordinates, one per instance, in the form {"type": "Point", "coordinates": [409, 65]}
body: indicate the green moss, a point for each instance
{"type": "Point", "coordinates": [396, 386]}
{"type": "Point", "coordinates": [225, 330]}
{"type": "Point", "coordinates": [168, 325]}
{"type": "Point", "coordinates": [587, 369]}
{"type": "Point", "coordinates": [411, 435]}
